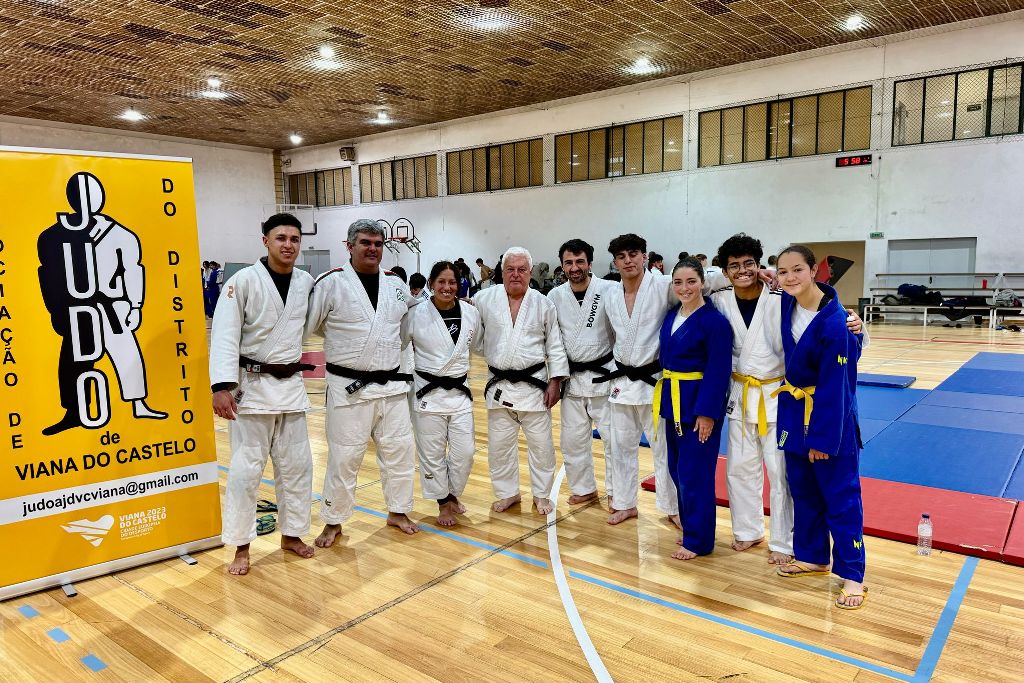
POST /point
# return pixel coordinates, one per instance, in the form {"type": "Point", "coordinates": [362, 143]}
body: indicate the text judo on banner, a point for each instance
{"type": "Point", "coordinates": [107, 454]}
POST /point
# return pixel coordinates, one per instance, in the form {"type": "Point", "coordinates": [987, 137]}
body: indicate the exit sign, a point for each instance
{"type": "Point", "coordinates": [877, 235]}
{"type": "Point", "coordinates": [858, 160]}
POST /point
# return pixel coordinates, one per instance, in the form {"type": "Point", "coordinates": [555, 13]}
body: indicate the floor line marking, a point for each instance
{"type": "Point", "coordinates": [568, 603]}
{"type": "Point", "coordinates": [937, 642]}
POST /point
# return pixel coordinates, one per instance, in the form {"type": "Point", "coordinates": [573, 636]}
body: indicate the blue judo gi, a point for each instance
{"type": "Point", "coordinates": [702, 344]}
{"type": "Point", "coordinates": [826, 493]}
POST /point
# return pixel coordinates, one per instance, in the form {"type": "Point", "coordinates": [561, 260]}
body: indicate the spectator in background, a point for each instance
{"type": "Point", "coordinates": [714, 268]}
{"type": "Point", "coordinates": [772, 261]}
{"type": "Point", "coordinates": [656, 261]}
{"type": "Point", "coordinates": [400, 272]}
{"type": "Point", "coordinates": [211, 291]}
{"type": "Point", "coordinates": [486, 274]}
{"type": "Point", "coordinates": [464, 278]}
{"type": "Point", "coordinates": [418, 287]}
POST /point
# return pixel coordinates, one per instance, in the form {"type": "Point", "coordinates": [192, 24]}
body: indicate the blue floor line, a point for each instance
{"type": "Point", "coordinates": [464, 539]}
{"type": "Point", "coordinates": [94, 662]}
{"type": "Point", "coordinates": [58, 635]}
{"type": "Point", "coordinates": [28, 611]}
{"type": "Point", "coordinates": [936, 644]}
{"type": "Point", "coordinates": [653, 599]}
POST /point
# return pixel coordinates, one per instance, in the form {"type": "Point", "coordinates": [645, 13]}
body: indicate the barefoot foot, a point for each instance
{"type": "Point", "coordinates": [684, 554]}
{"type": "Point", "coordinates": [739, 546]}
{"type": "Point", "coordinates": [458, 506]}
{"type": "Point", "coordinates": [576, 500]}
{"type": "Point", "coordinates": [328, 536]}
{"type": "Point", "coordinates": [240, 565]}
{"type": "Point", "coordinates": [619, 516]}
{"type": "Point", "coordinates": [543, 505]}
{"type": "Point", "coordinates": [446, 514]}
{"type": "Point", "coordinates": [295, 545]}
{"type": "Point", "coordinates": [775, 557]}
{"type": "Point", "coordinates": [675, 521]}
{"type": "Point", "coordinates": [401, 521]}
{"type": "Point", "coordinates": [506, 503]}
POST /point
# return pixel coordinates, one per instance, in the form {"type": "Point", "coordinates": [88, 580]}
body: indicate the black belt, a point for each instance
{"type": "Point", "coordinates": [636, 374]}
{"type": "Point", "coordinates": [516, 376]}
{"type": "Point", "coordinates": [597, 365]}
{"type": "Point", "coordinates": [364, 377]}
{"type": "Point", "coordinates": [438, 382]}
{"type": "Point", "coordinates": [278, 370]}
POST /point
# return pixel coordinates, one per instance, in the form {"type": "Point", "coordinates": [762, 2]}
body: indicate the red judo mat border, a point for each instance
{"type": "Point", "coordinates": [965, 523]}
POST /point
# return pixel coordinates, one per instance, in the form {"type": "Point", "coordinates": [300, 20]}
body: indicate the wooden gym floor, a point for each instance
{"type": "Point", "coordinates": [480, 601]}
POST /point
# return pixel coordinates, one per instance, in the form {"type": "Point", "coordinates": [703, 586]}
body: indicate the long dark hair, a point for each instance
{"type": "Point", "coordinates": [440, 267]}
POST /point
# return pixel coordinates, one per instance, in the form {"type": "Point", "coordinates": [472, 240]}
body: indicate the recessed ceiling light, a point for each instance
{"type": "Point", "coordinates": [213, 94]}
{"type": "Point", "coordinates": [327, 52]}
{"type": "Point", "coordinates": [642, 66]}
{"type": "Point", "coordinates": [295, 138]}
{"type": "Point", "coordinates": [382, 117]}
{"type": "Point", "coordinates": [854, 22]}
{"type": "Point", "coordinates": [214, 82]}
{"type": "Point", "coordinates": [967, 132]}
{"type": "Point", "coordinates": [327, 64]}
{"type": "Point", "coordinates": [671, 142]}
{"type": "Point", "coordinates": [131, 115]}
{"type": "Point", "coordinates": [944, 102]}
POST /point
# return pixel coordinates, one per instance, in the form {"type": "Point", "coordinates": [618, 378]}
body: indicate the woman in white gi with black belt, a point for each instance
{"type": "Point", "coordinates": [441, 333]}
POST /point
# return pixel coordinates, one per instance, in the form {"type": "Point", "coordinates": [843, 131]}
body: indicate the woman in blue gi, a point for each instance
{"type": "Point", "coordinates": [818, 430]}
{"type": "Point", "coordinates": [696, 357]}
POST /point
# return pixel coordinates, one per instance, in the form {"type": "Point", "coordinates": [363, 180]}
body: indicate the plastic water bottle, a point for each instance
{"type": "Point", "coordinates": [924, 535]}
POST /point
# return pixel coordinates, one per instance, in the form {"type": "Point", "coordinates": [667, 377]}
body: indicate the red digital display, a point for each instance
{"type": "Point", "coordinates": [858, 160]}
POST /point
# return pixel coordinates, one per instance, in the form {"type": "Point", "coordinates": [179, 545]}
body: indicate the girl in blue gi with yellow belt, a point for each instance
{"type": "Point", "coordinates": [818, 430]}
{"type": "Point", "coordinates": [696, 355]}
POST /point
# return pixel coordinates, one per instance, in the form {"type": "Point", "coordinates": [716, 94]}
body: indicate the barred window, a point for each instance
{"type": "Point", "coordinates": [496, 167]}
{"type": "Point", "coordinates": [632, 149]}
{"type": "Point", "coordinates": [386, 181]}
{"type": "Point", "coordinates": [957, 106]}
{"type": "Point", "coordinates": [838, 121]}
{"type": "Point", "coordinates": [331, 187]}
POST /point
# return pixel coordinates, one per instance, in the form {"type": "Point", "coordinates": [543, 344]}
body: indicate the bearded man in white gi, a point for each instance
{"type": "Point", "coordinates": [359, 310]}
{"type": "Point", "coordinates": [255, 369]}
{"type": "Point", "coordinates": [754, 311]}
{"type": "Point", "coordinates": [526, 363]}
{"type": "Point", "coordinates": [582, 307]}
{"type": "Point", "coordinates": [637, 310]}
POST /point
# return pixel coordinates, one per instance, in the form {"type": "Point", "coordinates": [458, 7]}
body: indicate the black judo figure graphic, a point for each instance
{"type": "Point", "coordinates": [93, 285]}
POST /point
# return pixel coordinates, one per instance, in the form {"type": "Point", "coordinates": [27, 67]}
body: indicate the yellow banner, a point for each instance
{"type": "Point", "coordinates": [106, 436]}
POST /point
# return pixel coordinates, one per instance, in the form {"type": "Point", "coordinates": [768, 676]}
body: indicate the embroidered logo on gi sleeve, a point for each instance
{"type": "Point", "coordinates": [782, 438]}
{"type": "Point", "coordinates": [841, 360]}
{"type": "Point", "coordinates": [858, 543]}
{"type": "Point", "coordinates": [401, 295]}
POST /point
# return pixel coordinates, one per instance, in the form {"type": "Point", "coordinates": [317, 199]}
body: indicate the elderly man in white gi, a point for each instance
{"type": "Point", "coordinates": [526, 364]}
{"type": "Point", "coordinates": [359, 310]}
{"type": "Point", "coordinates": [582, 307]}
{"type": "Point", "coordinates": [255, 366]}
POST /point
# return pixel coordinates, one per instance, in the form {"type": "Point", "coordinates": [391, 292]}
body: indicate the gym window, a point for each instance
{"type": "Point", "coordinates": [957, 106]}
{"type": "Point", "coordinates": [824, 123]}
{"type": "Point", "coordinates": [332, 187]}
{"type": "Point", "coordinates": [496, 167]}
{"type": "Point", "coordinates": [386, 181]}
{"type": "Point", "coordinates": [630, 149]}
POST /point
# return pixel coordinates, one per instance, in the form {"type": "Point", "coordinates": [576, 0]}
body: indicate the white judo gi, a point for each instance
{"type": "Point", "coordinates": [637, 343]}
{"type": "Point", "coordinates": [359, 338]}
{"type": "Point", "coordinates": [443, 417]}
{"type": "Point", "coordinates": [759, 367]}
{"type": "Point", "coordinates": [533, 339]}
{"type": "Point", "coordinates": [587, 337]}
{"type": "Point", "coordinates": [251, 321]}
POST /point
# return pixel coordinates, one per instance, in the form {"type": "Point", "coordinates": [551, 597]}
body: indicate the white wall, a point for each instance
{"type": "Point", "coordinates": [232, 183]}
{"type": "Point", "coordinates": [938, 190]}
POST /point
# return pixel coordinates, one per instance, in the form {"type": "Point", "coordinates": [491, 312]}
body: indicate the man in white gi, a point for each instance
{"type": "Point", "coordinates": [255, 352]}
{"type": "Point", "coordinates": [521, 342]}
{"type": "Point", "coordinates": [637, 310]}
{"type": "Point", "coordinates": [759, 367]}
{"type": "Point", "coordinates": [582, 307]}
{"type": "Point", "coordinates": [359, 309]}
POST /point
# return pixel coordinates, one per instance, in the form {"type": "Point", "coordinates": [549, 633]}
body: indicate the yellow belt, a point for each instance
{"type": "Point", "coordinates": [674, 379]}
{"type": "Point", "coordinates": [799, 394]}
{"type": "Point", "coordinates": [753, 382]}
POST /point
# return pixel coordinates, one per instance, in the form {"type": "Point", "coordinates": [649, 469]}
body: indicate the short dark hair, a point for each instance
{"type": "Point", "coordinates": [279, 219]}
{"type": "Point", "coordinates": [690, 262]}
{"type": "Point", "coordinates": [740, 244]}
{"type": "Point", "coordinates": [417, 281]}
{"type": "Point", "coordinates": [803, 251]}
{"type": "Point", "coordinates": [772, 260]}
{"type": "Point", "coordinates": [400, 272]}
{"type": "Point", "coordinates": [439, 268]}
{"type": "Point", "coordinates": [479, 260]}
{"type": "Point", "coordinates": [701, 257]}
{"type": "Point", "coordinates": [654, 257]}
{"type": "Point", "coordinates": [627, 242]}
{"type": "Point", "coordinates": [576, 246]}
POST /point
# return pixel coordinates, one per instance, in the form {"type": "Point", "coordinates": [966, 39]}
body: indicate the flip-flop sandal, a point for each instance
{"type": "Point", "coordinates": [265, 524]}
{"type": "Point", "coordinates": [843, 595]}
{"type": "Point", "coordinates": [803, 571]}
{"type": "Point", "coordinates": [265, 506]}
